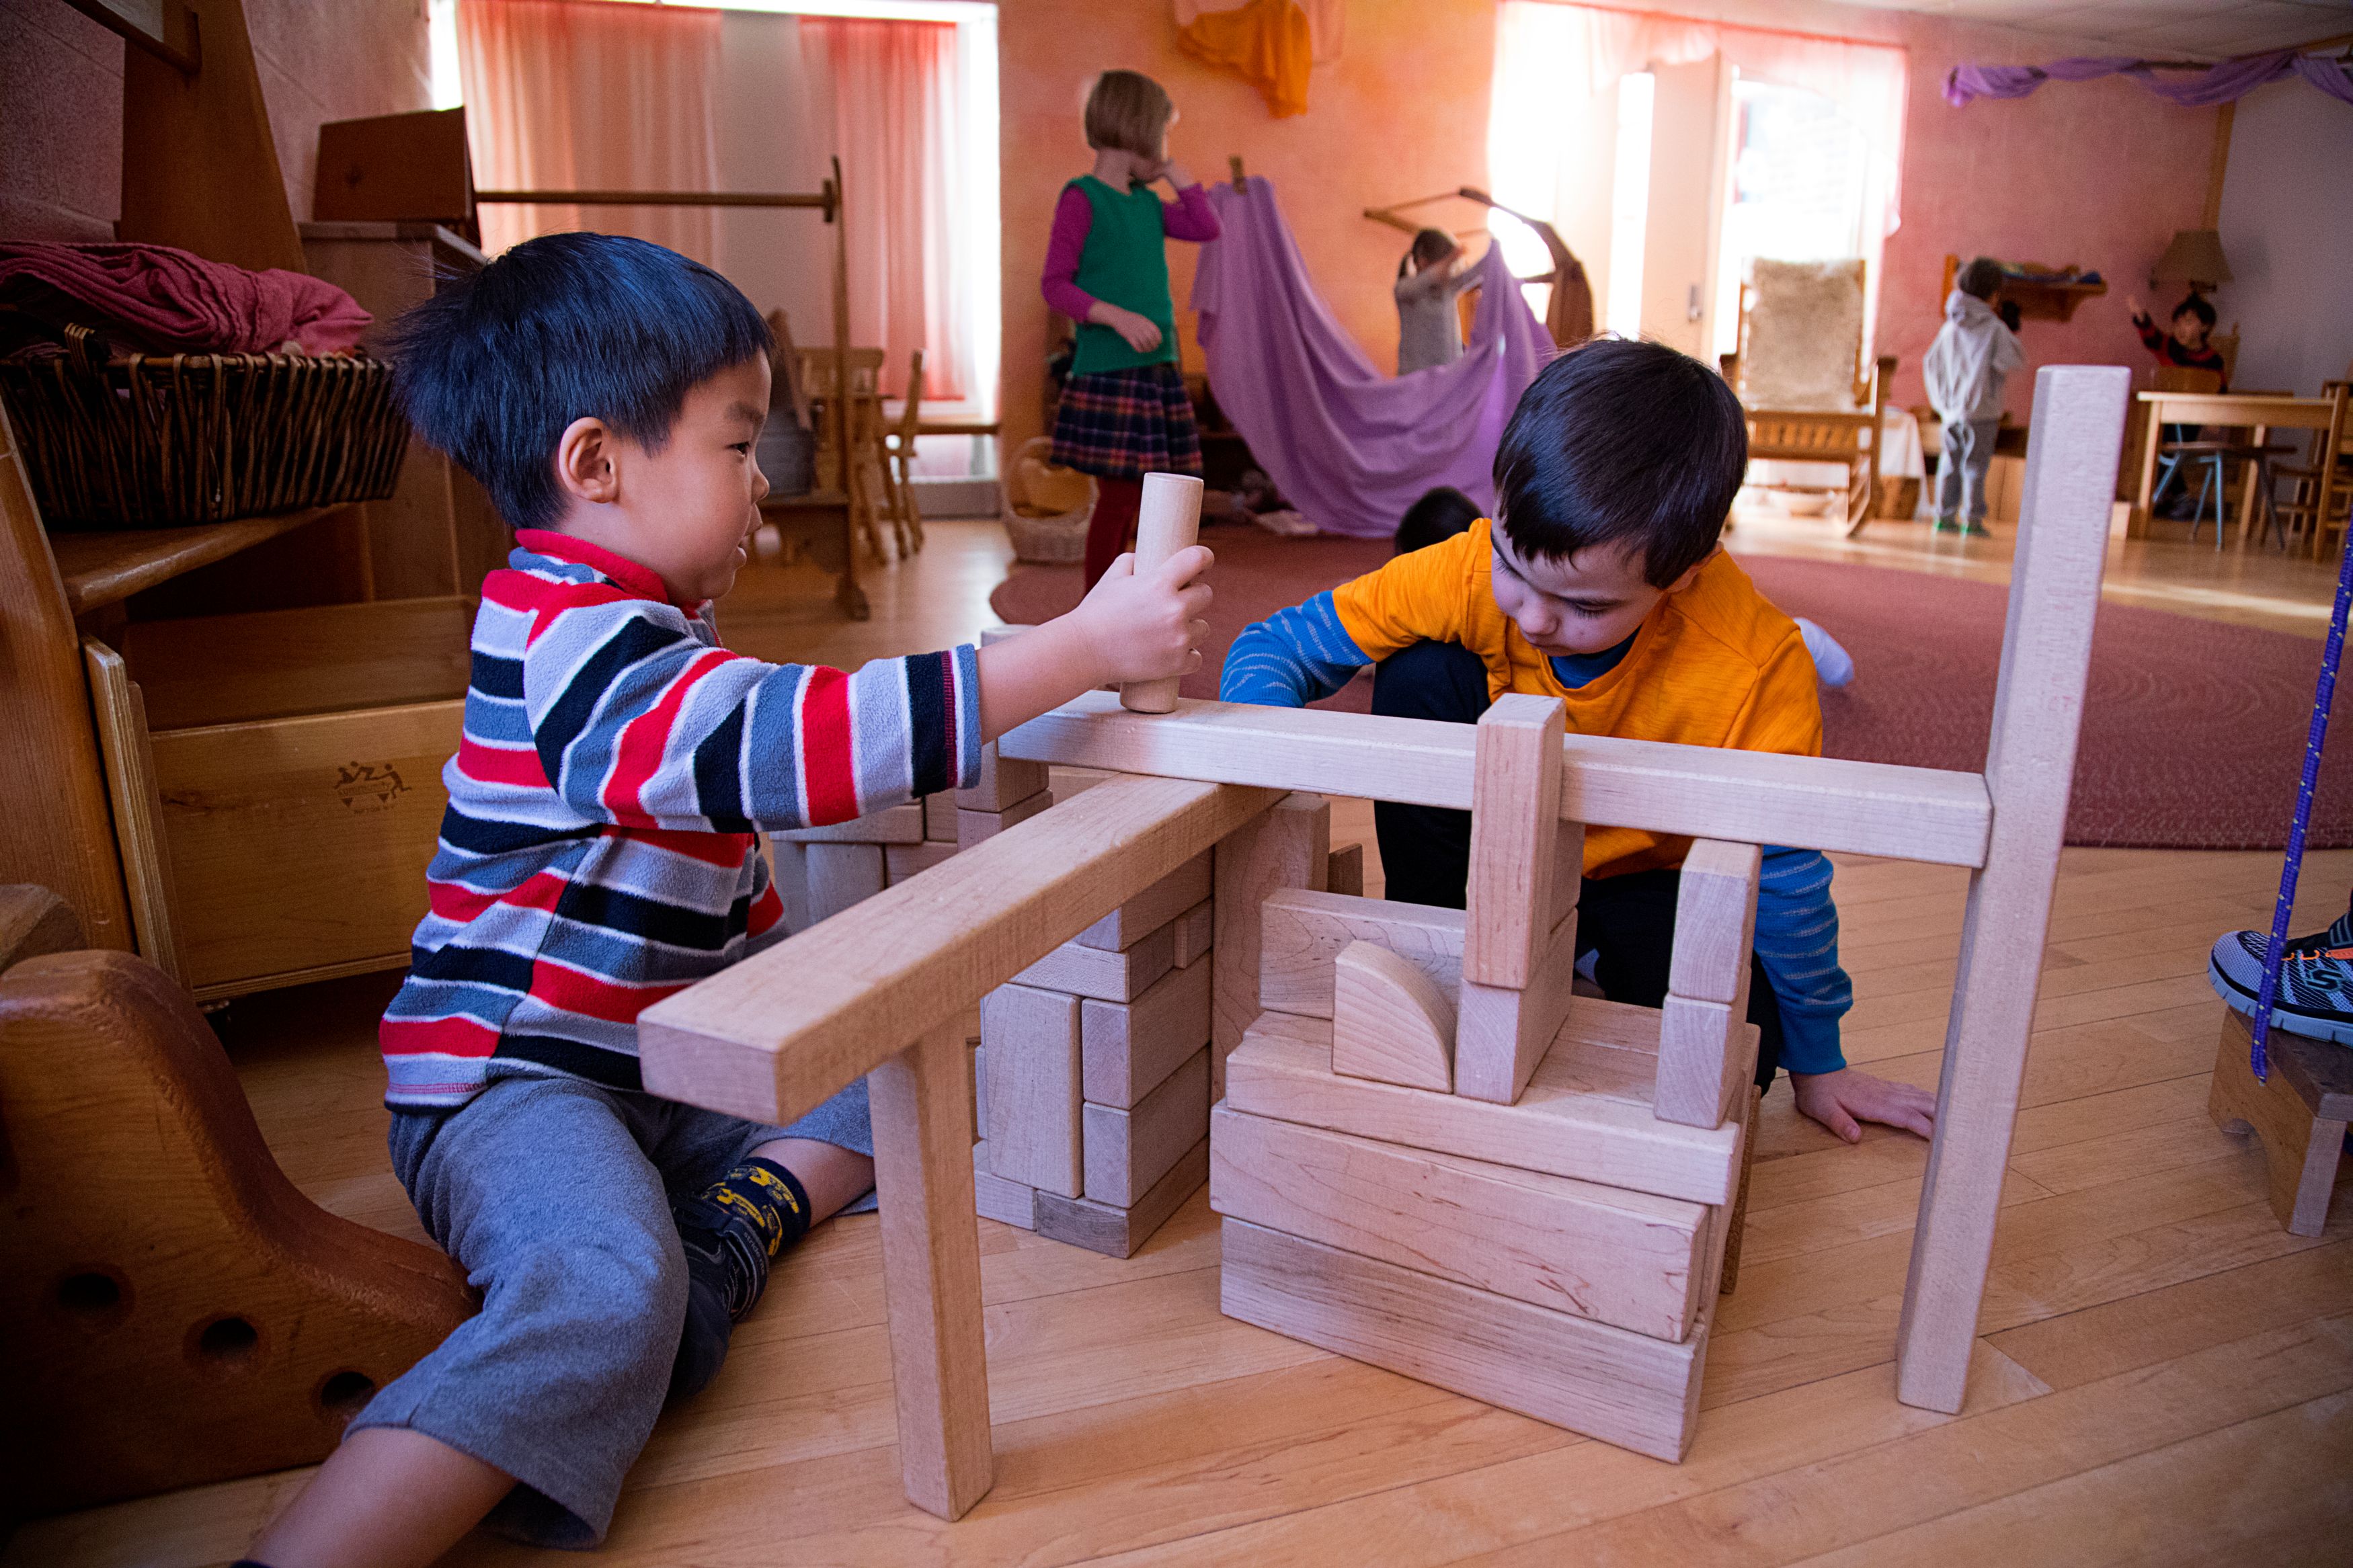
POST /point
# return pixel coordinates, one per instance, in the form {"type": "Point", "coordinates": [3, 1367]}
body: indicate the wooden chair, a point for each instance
{"type": "Point", "coordinates": [1836, 424]}
{"type": "Point", "coordinates": [865, 418]}
{"type": "Point", "coordinates": [2173, 457]}
{"type": "Point", "coordinates": [2323, 486]}
{"type": "Point", "coordinates": [897, 465]}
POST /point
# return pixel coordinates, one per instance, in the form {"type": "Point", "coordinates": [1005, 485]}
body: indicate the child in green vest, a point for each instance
{"type": "Point", "coordinates": [1124, 411]}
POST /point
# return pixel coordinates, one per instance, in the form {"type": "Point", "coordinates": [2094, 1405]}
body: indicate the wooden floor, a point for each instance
{"type": "Point", "coordinates": [2163, 1374]}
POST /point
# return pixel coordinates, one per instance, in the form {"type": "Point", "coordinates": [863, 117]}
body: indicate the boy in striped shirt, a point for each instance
{"type": "Point", "coordinates": [599, 853]}
{"type": "Point", "coordinates": [1601, 583]}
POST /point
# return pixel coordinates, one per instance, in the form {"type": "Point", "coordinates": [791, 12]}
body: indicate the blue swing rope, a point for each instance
{"type": "Point", "coordinates": [2323, 695]}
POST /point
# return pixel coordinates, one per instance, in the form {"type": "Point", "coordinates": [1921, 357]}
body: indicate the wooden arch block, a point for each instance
{"type": "Point", "coordinates": [1390, 1021]}
{"type": "Point", "coordinates": [176, 1311]}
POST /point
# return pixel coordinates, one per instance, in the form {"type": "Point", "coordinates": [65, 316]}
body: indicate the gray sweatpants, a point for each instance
{"type": "Point", "coordinates": [553, 1195]}
{"type": "Point", "coordinates": [1961, 476]}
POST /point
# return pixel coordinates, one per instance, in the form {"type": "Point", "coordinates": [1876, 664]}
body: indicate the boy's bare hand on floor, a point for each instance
{"type": "Point", "coordinates": [1841, 1101]}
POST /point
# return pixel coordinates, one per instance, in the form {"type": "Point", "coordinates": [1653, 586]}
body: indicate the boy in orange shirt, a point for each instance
{"type": "Point", "coordinates": [1601, 583]}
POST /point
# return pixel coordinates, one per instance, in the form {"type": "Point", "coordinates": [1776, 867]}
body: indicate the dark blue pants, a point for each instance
{"type": "Point", "coordinates": [1628, 923]}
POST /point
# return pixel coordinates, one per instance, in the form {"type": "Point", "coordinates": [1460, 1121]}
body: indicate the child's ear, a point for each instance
{"type": "Point", "coordinates": [1692, 575]}
{"type": "Point", "coordinates": [585, 466]}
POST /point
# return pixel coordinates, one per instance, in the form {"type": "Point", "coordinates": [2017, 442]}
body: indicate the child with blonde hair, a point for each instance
{"type": "Point", "coordinates": [1124, 412]}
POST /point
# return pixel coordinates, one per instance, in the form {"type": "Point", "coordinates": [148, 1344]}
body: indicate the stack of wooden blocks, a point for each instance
{"type": "Point", "coordinates": [1432, 1157]}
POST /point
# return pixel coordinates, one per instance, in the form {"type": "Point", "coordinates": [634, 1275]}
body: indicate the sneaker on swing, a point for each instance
{"type": "Point", "coordinates": [2315, 985]}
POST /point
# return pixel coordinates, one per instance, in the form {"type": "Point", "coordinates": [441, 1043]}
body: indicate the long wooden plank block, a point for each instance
{"type": "Point", "coordinates": [1029, 1041]}
{"type": "Point", "coordinates": [1715, 921]}
{"type": "Point", "coordinates": [1750, 797]}
{"type": "Point", "coordinates": [931, 1271]}
{"type": "Point", "coordinates": [2038, 710]}
{"type": "Point", "coordinates": [1128, 1151]}
{"type": "Point", "coordinates": [1118, 1232]}
{"type": "Point", "coordinates": [1128, 1049]}
{"type": "Point", "coordinates": [1616, 1257]}
{"type": "Point", "coordinates": [1624, 1388]}
{"type": "Point", "coordinates": [976, 826]}
{"type": "Point", "coordinates": [1302, 932]}
{"type": "Point", "coordinates": [1196, 930]}
{"type": "Point", "coordinates": [775, 1034]}
{"type": "Point", "coordinates": [1571, 1122]}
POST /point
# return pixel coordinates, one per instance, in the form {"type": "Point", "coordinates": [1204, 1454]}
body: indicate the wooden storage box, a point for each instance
{"type": "Point", "coordinates": [294, 796]}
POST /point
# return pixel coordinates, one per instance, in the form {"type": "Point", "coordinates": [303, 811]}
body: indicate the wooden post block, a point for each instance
{"type": "Point", "coordinates": [1289, 847]}
{"type": "Point", "coordinates": [1002, 783]}
{"type": "Point", "coordinates": [892, 824]}
{"type": "Point", "coordinates": [840, 875]}
{"type": "Point", "coordinates": [1303, 933]}
{"type": "Point", "coordinates": [2038, 708]}
{"type": "Point", "coordinates": [1347, 872]}
{"type": "Point", "coordinates": [1578, 1118]}
{"type": "Point", "coordinates": [999, 1198]}
{"type": "Point", "coordinates": [1501, 1032]}
{"type": "Point", "coordinates": [1126, 1049]}
{"type": "Point", "coordinates": [1157, 905]}
{"type": "Point", "coordinates": [1390, 1021]}
{"type": "Point", "coordinates": [940, 818]}
{"type": "Point", "coordinates": [1707, 1056]}
{"type": "Point", "coordinates": [901, 861]}
{"type": "Point", "coordinates": [1624, 1388]}
{"type": "Point", "coordinates": [2298, 1114]}
{"type": "Point", "coordinates": [1515, 832]}
{"type": "Point", "coordinates": [1620, 1258]}
{"type": "Point", "coordinates": [1105, 975]}
{"type": "Point", "coordinates": [1031, 1040]}
{"type": "Point", "coordinates": [1128, 1151]}
{"type": "Point", "coordinates": [1195, 928]}
{"type": "Point", "coordinates": [931, 1274]}
{"type": "Point", "coordinates": [1567, 870]}
{"type": "Point", "coordinates": [978, 827]}
{"type": "Point", "coordinates": [1716, 923]}
{"type": "Point", "coordinates": [788, 863]}
{"type": "Point", "coordinates": [1118, 1232]}
{"type": "Point", "coordinates": [1168, 519]}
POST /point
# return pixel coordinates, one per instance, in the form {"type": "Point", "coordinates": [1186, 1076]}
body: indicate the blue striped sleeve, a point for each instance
{"type": "Point", "coordinates": [1796, 939]}
{"type": "Point", "coordinates": [1291, 658]}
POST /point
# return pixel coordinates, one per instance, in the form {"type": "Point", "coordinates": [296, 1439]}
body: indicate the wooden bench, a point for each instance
{"type": "Point", "coordinates": [2299, 1112]}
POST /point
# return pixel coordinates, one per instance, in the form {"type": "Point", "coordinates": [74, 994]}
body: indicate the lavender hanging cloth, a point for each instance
{"type": "Point", "coordinates": [1351, 448]}
{"type": "Point", "coordinates": [2226, 82]}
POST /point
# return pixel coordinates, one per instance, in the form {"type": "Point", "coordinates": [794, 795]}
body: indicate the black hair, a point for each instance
{"type": "Point", "coordinates": [1620, 441]}
{"type": "Point", "coordinates": [1981, 278]}
{"type": "Point", "coordinates": [568, 326]}
{"type": "Point", "coordinates": [1430, 246]}
{"type": "Point", "coordinates": [2196, 305]}
{"type": "Point", "coordinates": [1439, 515]}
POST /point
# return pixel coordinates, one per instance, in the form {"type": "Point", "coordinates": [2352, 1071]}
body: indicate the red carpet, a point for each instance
{"type": "Point", "coordinates": [2193, 735]}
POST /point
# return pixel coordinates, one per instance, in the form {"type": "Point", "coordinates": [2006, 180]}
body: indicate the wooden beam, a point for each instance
{"type": "Point", "coordinates": [2038, 710]}
{"type": "Point", "coordinates": [1289, 847]}
{"type": "Point", "coordinates": [774, 1036]}
{"type": "Point", "coordinates": [931, 1271]}
{"type": "Point", "coordinates": [1750, 797]}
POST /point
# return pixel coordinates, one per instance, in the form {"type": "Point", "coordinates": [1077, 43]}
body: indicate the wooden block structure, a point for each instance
{"type": "Point", "coordinates": [1098, 1074]}
{"type": "Point", "coordinates": [2298, 1112]}
{"type": "Point", "coordinates": [875, 986]}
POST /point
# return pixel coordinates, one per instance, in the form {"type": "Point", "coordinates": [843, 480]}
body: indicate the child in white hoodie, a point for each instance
{"type": "Point", "coordinates": [1972, 356]}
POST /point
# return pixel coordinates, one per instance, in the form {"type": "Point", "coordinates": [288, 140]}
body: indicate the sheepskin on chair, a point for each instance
{"type": "Point", "coordinates": [1803, 331]}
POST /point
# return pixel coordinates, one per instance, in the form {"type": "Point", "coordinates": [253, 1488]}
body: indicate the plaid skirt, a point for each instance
{"type": "Point", "coordinates": [1124, 424]}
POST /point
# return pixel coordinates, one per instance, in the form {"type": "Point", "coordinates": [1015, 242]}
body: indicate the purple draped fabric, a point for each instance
{"type": "Point", "coordinates": [1351, 448]}
{"type": "Point", "coordinates": [2225, 84]}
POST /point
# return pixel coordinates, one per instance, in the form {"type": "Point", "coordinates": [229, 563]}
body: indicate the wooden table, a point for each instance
{"type": "Point", "coordinates": [823, 521]}
{"type": "Point", "coordinates": [2261, 413]}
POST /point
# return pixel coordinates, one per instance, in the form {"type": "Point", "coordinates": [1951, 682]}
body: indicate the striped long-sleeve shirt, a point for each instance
{"type": "Point", "coordinates": [599, 851]}
{"type": "Point", "coordinates": [1714, 665]}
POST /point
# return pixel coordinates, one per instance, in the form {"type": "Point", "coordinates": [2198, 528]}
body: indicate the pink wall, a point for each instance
{"type": "Point", "coordinates": [61, 80]}
{"type": "Point", "coordinates": [1402, 114]}
{"type": "Point", "coordinates": [2098, 175]}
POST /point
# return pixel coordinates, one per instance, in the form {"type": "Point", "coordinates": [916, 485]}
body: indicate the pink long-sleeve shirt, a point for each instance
{"type": "Point", "coordinates": [1188, 217]}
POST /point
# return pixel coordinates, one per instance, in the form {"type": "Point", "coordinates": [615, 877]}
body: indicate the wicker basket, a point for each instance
{"type": "Point", "coordinates": [153, 440]}
{"type": "Point", "coordinates": [1052, 539]}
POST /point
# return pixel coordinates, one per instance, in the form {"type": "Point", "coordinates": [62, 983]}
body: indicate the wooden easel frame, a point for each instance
{"type": "Point", "coordinates": [879, 985]}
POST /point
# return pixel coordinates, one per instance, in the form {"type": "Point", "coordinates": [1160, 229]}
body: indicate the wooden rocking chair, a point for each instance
{"type": "Point", "coordinates": [1800, 410]}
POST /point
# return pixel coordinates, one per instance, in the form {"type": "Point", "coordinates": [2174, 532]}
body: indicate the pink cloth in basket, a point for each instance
{"type": "Point", "coordinates": [168, 300]}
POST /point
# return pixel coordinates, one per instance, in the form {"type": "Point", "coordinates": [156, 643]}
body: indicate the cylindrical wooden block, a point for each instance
{"type": "Point", "coordinates": [1168, 520]}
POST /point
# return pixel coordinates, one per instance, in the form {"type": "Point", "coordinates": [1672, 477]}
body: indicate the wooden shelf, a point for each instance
{"type": "Point", "coordinates": [105, 568]}
{"type": "Point", "coordinates": [2037, 298]}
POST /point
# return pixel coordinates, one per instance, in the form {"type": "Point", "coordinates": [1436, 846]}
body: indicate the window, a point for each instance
{"type": "Point", "coordinates": [1795, 191]}
{"type": "Point", "coordinates": [1629, 204]}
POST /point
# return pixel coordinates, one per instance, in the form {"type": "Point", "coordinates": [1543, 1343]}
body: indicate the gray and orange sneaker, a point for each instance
{"type": "Point", "coordinates": [2316, 983]}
